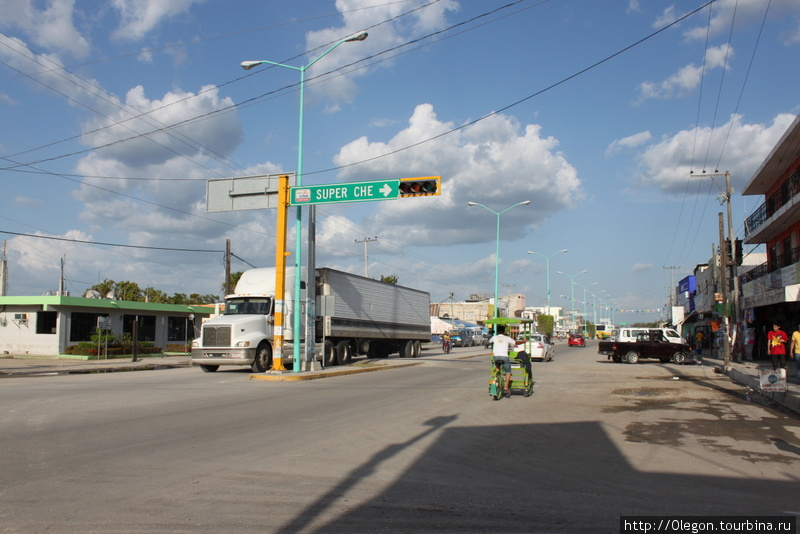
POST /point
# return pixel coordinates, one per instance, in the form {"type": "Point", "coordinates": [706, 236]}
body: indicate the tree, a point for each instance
{"type": "Point", "coordinates": [234, 279]}
{"type": "Point", "coordinates": [390, 278]}
{"type": "Point", "coordinates": [545, 324]}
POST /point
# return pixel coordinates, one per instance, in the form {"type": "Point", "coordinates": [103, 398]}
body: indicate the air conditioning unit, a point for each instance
{"type": "Point", "coordinates": [20, 316]}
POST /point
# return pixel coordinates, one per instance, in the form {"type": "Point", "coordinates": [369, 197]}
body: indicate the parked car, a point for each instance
{"type": "Point", "coordinates": [576, 340]}
{"type": "Point", "coordinates": [540, 347]}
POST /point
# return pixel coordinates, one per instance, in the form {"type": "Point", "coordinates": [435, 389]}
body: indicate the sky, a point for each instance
{"type": "Point", "coordinates": [607, 116]}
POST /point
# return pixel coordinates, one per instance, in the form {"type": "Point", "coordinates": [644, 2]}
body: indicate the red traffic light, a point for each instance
{"type": "Point", "coordinates": [418, 187]}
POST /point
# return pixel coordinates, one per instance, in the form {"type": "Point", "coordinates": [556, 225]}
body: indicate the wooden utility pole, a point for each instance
{"type": "Point", "coordinates": [227, 266]}
{"type": "Point", "coordinates": [723, 278]}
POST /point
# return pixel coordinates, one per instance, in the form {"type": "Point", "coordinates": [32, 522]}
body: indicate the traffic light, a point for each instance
{"type": "Point", "coordinates": [420, 187]}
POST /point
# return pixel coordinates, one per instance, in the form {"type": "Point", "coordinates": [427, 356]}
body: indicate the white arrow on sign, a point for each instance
{"type": "Point", "coordinates": [386, 190]}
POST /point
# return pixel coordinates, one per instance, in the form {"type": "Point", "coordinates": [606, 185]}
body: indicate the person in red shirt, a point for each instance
{"type": "Point", "coordinates": [776, 346]}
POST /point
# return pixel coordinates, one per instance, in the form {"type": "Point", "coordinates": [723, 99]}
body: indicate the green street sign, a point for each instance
{"type": "Point", "coordinates": [349, 192]}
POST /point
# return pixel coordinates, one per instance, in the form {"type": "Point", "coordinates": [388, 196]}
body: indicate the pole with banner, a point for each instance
{"type": "Point", "coordinates": [280, 273]}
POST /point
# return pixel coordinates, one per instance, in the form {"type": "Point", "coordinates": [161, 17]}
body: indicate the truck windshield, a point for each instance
{"type": "Point", "coordinates": [247, 306]}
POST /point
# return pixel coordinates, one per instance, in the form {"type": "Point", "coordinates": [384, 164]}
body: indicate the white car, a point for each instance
{"type": "Point", "coordinates": [538, 347]}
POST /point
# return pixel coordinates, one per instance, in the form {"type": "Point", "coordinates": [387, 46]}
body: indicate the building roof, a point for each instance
{"type": "Point", "coordinates": [784, 154]}
{"type": "Point", "coordinates": [126, 305]}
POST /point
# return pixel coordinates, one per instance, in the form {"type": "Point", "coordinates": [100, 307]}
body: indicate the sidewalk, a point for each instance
{"type": "Point", "coordinates": [18, 366]}
{"type": "Point", "coordinates": [747, 374]}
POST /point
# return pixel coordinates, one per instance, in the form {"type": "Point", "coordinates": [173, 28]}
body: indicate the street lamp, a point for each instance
{"type": "Point", "coordinates": [547, 258]}
{"type": "Point", "coordinates": [572, 288]}
{"type": "Point", "coordinates": [247, 65]}
{"type": "Point", "coordinates": [497, 249]}
{"type": "Point", "coordinates": [584, 302]}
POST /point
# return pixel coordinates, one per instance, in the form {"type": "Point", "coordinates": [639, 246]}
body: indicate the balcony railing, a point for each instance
{"type": "Point", "coordinates": [790, 257]}
{"type": "Point", "coordinates": [786, 192]}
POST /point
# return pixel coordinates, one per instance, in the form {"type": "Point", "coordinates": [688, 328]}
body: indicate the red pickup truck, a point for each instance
{"type": "Point", "coordinates": [651, 345]}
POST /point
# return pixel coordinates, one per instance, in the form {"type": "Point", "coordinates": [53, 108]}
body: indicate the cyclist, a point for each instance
{"type": "Point", "coordinates": [501, 344]}
{"type": "Point", "coordinates": [446, 342]}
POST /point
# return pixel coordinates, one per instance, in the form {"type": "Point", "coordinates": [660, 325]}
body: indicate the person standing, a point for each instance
{"type": "Point", "coordinates": [698, 342]}
{"type": "Point", "coordinates": [749, 341]}
{"type": "Point", "coordinates": [795, 349]}
{"type": "Point", "coordinates": [776, 346]}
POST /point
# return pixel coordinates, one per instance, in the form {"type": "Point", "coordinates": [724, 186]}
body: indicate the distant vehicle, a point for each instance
{"type": "Point", "coordinates": [603, 331]}
{"type": "Point", "coordinates": [576, 340]}
{"type": "Point", "coordinates": [460, 338]}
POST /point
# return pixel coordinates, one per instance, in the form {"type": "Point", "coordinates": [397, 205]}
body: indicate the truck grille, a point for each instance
{"type": "Point", "coordinates": [217, 336]}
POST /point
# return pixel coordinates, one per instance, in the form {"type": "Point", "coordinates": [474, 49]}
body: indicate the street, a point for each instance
{"type": "Point", "coordinates": [421, 448]}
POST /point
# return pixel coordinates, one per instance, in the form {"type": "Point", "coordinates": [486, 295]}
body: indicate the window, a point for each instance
{"type": "Point", "coordinates": [46, 322]}
{"type": "Point", "coordinates": [177, 329]}
{"type": "Point", "coordinates": [147, 326]}
{"type": "Point", "coordinates": [82, 326]}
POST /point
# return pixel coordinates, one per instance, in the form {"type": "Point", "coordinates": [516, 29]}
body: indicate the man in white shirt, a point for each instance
{"type": "Point", "coordinates": [501, 344]}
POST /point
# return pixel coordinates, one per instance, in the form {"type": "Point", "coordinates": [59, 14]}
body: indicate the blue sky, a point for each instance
{"type": "Point", "coordinates": [115, 114]}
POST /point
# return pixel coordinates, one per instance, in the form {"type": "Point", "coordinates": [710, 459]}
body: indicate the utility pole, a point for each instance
{"type": "Point", "coordinates": [366, 257]}
{"type": "Point", "coordinates": [725, 196]}
{"type": "Point", "coordinates": [671, 285]}
{"type": "Point", "coordinates": [227, 267]}
{"type": "Point", "coordinates": [723, 277]}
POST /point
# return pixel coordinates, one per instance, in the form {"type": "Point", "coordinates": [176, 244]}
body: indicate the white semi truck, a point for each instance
{"type": "Point", "coordinates": [355, 315]}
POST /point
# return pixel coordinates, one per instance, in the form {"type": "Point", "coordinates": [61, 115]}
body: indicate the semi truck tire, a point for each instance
{"type": "Point", "coordinates": [407, 349]}
{"type": "Point", "coordinates": [329, 353]}
{"type": "Point", "coordinates": [417, 348]}
{"type": "Point", "coordinates": [263, 359]}
{"type": "Point", "coordinates": [343, 354]}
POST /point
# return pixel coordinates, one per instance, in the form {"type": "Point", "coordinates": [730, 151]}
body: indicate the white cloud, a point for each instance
{"type": "Point", "coordinates": [496, 162]}
{"type": "Point", "coordinates": [361, 14]}
{"type": "Point", "coordinates": [51, 27]}
{"type": "Point", "coordinates": [219, 134]}
{"type": "Point", "coordinates": [747, 13]}
{"type": "Point", "coordinates": [632, 141]}
{"type": "Point", "coordinates": [138, 17]}
{"type": "Point", "coordinates": [667, 164]}
{"type": "Point", "coordinates": [642, 267]}
{"type": "Point", "coordinates": [28, 202]}
{"type": "Point", "coordinates": [687, 78]}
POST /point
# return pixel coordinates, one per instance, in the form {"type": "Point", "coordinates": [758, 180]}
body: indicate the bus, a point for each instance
{"type": "Point", "coordinates": [604, 331]}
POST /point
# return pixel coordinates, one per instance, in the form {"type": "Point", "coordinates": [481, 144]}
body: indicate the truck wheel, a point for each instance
{"type": "Point", "coordinates": [617, 359]}
{"type": "Point", "coordinates": [263, 359]}
{"type": "Point", "coordinates": [679, 358]}
{"type": "Point", "coordinates": [417, 348]}
{"type": "Point", "coordinates": [407, 349]}
{"type": "Point", "coordinates": [343, 354]}
{"type": "Point", "coordinates": [329, 353]}
{"type": "Point", "coordinates": [632, 357]}
{"type": "Point", "coordinates": [209, 368]}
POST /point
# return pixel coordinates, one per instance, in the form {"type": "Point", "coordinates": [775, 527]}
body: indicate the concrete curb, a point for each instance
{"type": "Point", "coordinates": [788, 399]}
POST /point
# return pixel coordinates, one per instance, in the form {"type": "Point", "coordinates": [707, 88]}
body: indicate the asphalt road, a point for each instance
{"type": "Point", "coordinates": [417, 449]}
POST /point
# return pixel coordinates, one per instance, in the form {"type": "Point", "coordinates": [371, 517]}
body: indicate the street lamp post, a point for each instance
{"type": "Point", "coordinates": [497, 249]}
{"type": "Point", "coordinates": [584, 302]}
{"type": "Point", "coordinates": [572, 289]}
{"type": "Point", "coordinates": [547, 260]}
{"type": "Point", "coordinates": [247, 65]}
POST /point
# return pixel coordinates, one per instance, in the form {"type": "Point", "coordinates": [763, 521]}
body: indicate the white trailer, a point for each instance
{"type": "Point", "coordinates": [355, 315]}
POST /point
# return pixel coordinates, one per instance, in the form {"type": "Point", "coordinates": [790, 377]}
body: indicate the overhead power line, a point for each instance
{"type": "Point", "coordinates": [84, 242]}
